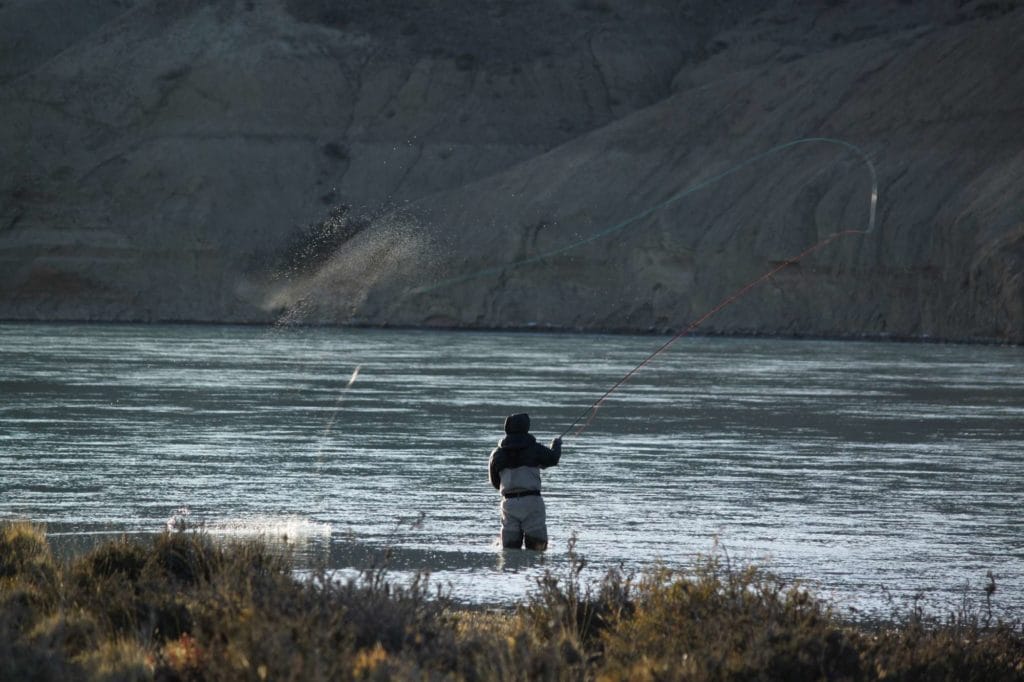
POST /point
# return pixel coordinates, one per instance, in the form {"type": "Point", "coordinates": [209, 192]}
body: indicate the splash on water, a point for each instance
{"type": "Point", "coordinates": [292, 530]}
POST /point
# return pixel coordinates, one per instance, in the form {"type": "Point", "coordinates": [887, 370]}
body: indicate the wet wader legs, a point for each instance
{"type": "Point", "coordinates": [535, 544]}
{"type": "Point", "coordinates": [524, 519]}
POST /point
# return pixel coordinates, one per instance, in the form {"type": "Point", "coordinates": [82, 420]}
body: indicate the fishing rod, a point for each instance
{"type": "Point", "coordinates": [732, 298]}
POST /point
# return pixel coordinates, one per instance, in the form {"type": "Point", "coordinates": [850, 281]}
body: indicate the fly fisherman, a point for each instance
{"type": "Point", "coordinates": [514, 468]}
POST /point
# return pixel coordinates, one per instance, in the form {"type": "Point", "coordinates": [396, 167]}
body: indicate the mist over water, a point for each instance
{"type": "Point", "coordinates": [850, 466]}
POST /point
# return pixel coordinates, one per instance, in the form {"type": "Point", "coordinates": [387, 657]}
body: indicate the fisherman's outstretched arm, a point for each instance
{"type": "Point", "coordinates": [551, 455]}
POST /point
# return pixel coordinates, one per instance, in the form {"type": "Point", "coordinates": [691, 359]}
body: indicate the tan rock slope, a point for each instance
{"type": "Point", "coordinates": [496, 164]}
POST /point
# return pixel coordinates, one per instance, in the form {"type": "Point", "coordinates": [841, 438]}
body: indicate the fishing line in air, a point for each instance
{"type": "Point", "coordinates": [732, 298]}
{"type": "Point", "coordinates": [617, 227]}
{"type": "Point", "coordinates": [333, 419]}
{"type": "Point", "coordinates": [337, 409]}
{"type": "Point", "coordinates": [675, 198]}
{"type": "Point", "coordinates": [591, 411]}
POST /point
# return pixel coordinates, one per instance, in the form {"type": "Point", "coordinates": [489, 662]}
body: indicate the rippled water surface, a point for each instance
{"type": "Point", "coordinates": [862, 468]}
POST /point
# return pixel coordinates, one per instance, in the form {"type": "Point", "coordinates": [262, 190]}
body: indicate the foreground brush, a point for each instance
{"type": "Point", "coordinates": [183, 607]}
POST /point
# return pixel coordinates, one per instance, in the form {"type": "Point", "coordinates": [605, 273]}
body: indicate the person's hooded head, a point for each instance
{"type": "Point", "coordinates": [517, 432]}
{"type": "Point", "coordinates": [517, 424]}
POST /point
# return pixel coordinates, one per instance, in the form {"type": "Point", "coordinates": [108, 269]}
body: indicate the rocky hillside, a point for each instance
{"type": "Point", "coordinates": [592, 164]}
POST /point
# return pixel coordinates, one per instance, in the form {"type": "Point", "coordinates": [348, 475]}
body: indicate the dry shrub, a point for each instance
{"type": "Point", "coordinates": [186, 608]}
{"type": "Point", "coordinates": [29, 580]}
{"type": "Point", "coordinates": [105, 582]}
{"type": "Point", "coordinates": [119, 659]}
{"type": "Point", "coordinates": [22, 659]}
{"type": "Point", "coordinates": [717, 623]}
{"type": "Point", "coordinates": [25, 557]}
{"type": "Point", "coordinates": [958, 649]}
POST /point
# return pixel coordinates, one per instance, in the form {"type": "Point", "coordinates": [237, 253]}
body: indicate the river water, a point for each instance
{"type": "Point", "coordinates": [873, 472]}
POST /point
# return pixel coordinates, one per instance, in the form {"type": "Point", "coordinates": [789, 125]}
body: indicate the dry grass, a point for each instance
{"type": "Point", "coordinates": [185, 608]}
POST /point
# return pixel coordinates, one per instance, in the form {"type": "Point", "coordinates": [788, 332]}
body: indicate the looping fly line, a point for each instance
{"type": "Point", "coordinates": [873, 204]}
{"type": "Point", "coordinates": [675, 198]}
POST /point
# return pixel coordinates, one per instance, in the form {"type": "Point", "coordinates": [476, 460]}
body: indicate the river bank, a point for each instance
{"type": "Point", "coordinates": [184, 608]}
{"type": "Point", "coordinates": [280, 325]}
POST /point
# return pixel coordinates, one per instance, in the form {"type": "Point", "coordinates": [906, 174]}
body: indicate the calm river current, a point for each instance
{"type": "Point", "coordinates": [863, 469]}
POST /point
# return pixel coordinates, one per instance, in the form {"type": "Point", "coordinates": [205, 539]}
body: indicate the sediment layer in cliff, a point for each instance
{"type": "Point", "coordinates": [492, 164]}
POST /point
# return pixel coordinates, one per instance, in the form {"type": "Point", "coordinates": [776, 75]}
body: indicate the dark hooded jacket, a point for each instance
{"type": "Point", "coordinates": [515, 464]}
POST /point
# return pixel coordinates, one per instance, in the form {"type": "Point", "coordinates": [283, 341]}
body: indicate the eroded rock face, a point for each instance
{"type": "Point", "coordinates": [496, 164]}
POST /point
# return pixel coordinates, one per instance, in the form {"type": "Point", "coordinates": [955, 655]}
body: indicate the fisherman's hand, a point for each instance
{"type": "Point", "coordinates": [556, 443]}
